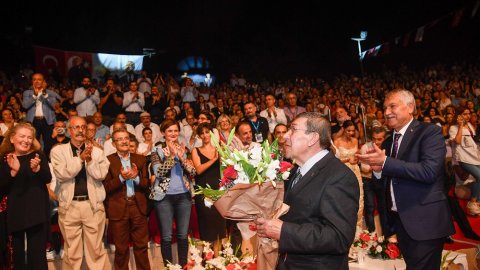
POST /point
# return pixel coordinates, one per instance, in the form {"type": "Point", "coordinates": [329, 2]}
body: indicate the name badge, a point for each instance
{"type": "Point", "coordinates": [259, 137]}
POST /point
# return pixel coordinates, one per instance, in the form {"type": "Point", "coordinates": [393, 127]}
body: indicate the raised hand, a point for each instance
{"type": "Point", "coordinates": [125, 172]}
{"type": "Point", "coordinates": [374, 158]}
{"type": "Point", "coordinates": [13, 163]}
{"type": "Point", "coordinates": [133, 171]}
{"type": "Point", "coordinates": [87, 153]}
{"type": "Point", "coordinates": [35, 163]}
{"type": "Point", "coordinates": [166, 151]}
{"type": "Point", "coordinates": [180, 149]}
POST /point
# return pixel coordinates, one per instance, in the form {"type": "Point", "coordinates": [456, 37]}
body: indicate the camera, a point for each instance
{"type": "Point", "coordinates": [61, 130]}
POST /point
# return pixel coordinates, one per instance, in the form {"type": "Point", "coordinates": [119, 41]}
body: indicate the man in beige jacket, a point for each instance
{"type": "Point", "coordinates": [80, 169]}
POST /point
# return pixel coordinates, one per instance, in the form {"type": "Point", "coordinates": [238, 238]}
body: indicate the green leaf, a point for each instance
{"type": "Point", "coordinates": [248, 169]}
{"type": "Point", "coordinates": [210, 193]}
{"type": "Point", "coordinates": [230, 136]}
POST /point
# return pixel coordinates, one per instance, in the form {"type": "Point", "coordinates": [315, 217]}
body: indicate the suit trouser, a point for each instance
{"type": "Point", "coordinates": [372, 190]}
{"type": "Point", "coordinates": [418, 255]}
{"type": "Point", "coordinates": [45, 131]}
{"type": "Point", "coordinates": [82, 230]}
{"type": "Point", "coordinates": [132, 226]}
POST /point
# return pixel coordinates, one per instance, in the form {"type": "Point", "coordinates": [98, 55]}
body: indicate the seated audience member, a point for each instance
{"type": "Point", "coordinates": [102, 131]}
{"type": "Point", "coordinates": [121, 117]}
{"type": "Point", "coordinates": [59, 133]}
{"type": "Point", "coordinates": [145, 147]}
{"type": "Point", "coordinates": [146, 122]}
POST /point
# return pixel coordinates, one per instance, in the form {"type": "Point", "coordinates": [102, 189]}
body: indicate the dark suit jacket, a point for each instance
{"type": "Point", "coordinates": [418, 183]}
{"type": "Point", "coordinates": [319, 228]}
{"type": "Point", "coordinates": [116, 202]}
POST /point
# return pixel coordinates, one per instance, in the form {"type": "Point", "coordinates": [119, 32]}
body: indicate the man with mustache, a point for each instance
{"type": "Point", "coordinates": [80, 168]}
{"type": "Point", "coordinates": [411, 170]}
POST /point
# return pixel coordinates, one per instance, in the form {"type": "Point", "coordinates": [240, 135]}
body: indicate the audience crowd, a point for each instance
{"type": "Point", "coordinates": [107, 141]}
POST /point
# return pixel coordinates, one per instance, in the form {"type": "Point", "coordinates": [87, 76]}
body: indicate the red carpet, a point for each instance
{"type": "Point", "coordinates": [459, 238]}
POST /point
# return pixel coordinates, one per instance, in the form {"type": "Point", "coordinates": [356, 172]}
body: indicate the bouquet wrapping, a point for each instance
{"type": "Point", "coordinates": [251, 187]}
{"type": "Point", "coordinates": [244, 203]}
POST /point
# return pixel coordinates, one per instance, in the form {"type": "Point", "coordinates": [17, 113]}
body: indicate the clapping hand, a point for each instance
{"type": "Point", "coordinates": [125, 172]}
{"type": "Point", "coordinates": [13, 163]}
{"type": "Point", "coordinates": [375, 157]}
{"type": "Point", "coordinates": [133, 171]}
{"type": "Point", "coordinates": [87, 153]}
{"type": "Point", "coordinates": [180, 150]}
{"type": "Point", "coordinates": [35, 163]}
{"type": "Point", "coordinates": [166, 151]}
{"type": "Point", "coordinates": [129, 173]}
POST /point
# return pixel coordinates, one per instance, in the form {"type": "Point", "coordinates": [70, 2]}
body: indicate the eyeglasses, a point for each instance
{"type": "Point", "coordinates": [122, 139]}
{"type": "Point", "coordinates": [76, 128]}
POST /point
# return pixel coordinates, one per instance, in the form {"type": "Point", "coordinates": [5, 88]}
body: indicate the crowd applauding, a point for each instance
{"type": "Point", "coordinates": [85, 154]}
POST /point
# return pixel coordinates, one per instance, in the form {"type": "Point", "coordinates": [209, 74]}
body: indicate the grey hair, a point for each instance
{"type": "Point", "coordinates": [318, 124]}
{"type": "Point", "coordinates": [405, 95]}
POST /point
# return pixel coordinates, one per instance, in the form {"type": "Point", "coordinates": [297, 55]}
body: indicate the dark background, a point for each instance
{"type": "Point", "coordinates": [273, 40]}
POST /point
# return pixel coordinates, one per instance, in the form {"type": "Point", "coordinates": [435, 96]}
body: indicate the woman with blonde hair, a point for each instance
{"type": "Point", "coordinates": [25, 173]}
{"type": "Point", "coordinates": [224, 126]}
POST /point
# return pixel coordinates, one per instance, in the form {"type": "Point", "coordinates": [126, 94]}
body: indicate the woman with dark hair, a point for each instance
{"type": "Point", "coordinates": [8, 122]}
{"type": "Point", "coordinates": [346, 147]}
{"type": "Point", "coordinates": [172, 170]}
{"type": "Point", "coordinates": [207, 117]}
{"type": "Point", "coordinates": [25, 173]}
{"type": "Point", "coordinates": [16, 105]}
{"type": "Point", "coordinates": [145, 147]}
{"type": "Point", "coordinates": [207, 164]}
{"type": "Point", "coordinates": [434, 115]}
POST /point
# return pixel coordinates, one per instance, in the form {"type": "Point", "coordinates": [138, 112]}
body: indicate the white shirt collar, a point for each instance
{"type": "Point", "coordinates": [404, 128]}
{"type": "Point", "coordinates": [312, 161]}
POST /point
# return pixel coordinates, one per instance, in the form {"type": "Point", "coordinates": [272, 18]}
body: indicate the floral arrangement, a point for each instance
{"type": "Point", "coordinates": [251, 186]}
{"type": "Point", "coordinates": [255, 165]}
{"type": "Point", "coordinates": [205, 260]}
{"type": "Point", "coordinates": [377, 246]}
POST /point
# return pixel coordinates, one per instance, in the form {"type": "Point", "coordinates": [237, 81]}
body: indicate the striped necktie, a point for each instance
{"type": "Point", "coordinates": [297, 177]}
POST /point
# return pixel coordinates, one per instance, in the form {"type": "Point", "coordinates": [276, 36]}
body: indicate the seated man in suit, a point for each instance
{"type": "Point", "coordinates": [411, 170]}
{"type": "Point", "coordinates": [126, 184]}
{"type": "Point", "coordinates": [319, 228]}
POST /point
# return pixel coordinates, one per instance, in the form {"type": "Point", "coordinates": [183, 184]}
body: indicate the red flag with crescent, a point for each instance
{"type": "Point", "coordinates": [48, 60]}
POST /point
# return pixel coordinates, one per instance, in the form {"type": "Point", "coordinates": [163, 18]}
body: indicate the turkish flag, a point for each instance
{"type": "Point", "coordinates": [72, 57]}
{"type": "Point", "coordinates": [48, 59]}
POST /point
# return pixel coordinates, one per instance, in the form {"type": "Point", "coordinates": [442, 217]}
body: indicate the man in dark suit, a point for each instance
{"type": "Point", "coordinates": [126, 184]}
{"type": "Point", "coordinates": [319, 228]}
{"type": "Point", "coordinates": [411, 169]}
